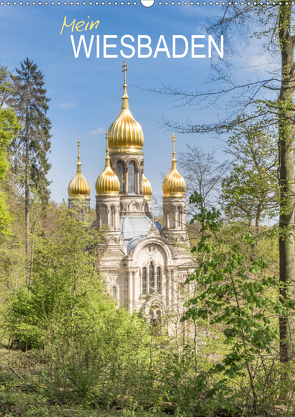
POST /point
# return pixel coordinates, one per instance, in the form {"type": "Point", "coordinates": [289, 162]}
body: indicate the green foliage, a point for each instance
{"type": "Point", "coordinates": [92, 355]}
{"type": "Point", "coordinates": [251, 190]}
{"type": "Point", "coordinates": [97, 352]}
{"type": "Point", "coordinates": [6, 86]}
{"type": "Point", "coordinates": [9, 127]}
{"type": "Point", "coordinates": [236, 298]}
{"type": "Point", "coordinates": [63, 277]}
{"type": "Point", "coordinates": [29, 150]}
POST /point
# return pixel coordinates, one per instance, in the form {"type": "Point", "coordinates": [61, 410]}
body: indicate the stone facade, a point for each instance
{"type": "Point", "coordinates": [143, 262]}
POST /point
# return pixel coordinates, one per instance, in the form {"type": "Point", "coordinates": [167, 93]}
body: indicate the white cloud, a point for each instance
{"type": "Point", "coordinates": [66, 105]}
{"type": "Point", "coordinates": [97, 131]}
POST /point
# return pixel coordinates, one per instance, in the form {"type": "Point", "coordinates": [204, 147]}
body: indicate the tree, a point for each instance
{"type": "Point", "coordinates": [251, 189]}
{"type": "Point", "coordinates": [273, 25]}
{"type": "Point", "coordinates": [233, 291]}
{"type": "Point", "coordinates": [202, 173]}
{"type": "Point", "coordinates": [6, 87]}
{"type": "Point", "coordinates": [9, 127]}
{"type": "Point", "coordinates": [63, 277]}
{"type": "Point", "coordinates": [93, 349]}
{"type": "Point", "coordinates": [30, 148]}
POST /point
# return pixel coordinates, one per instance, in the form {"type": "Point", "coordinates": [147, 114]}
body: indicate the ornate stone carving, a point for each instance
{"type": "Point", "coordinates": [150, 249]}
{"type": "Point", "coordinates": [153, 231]}
{"type": "Point", "coordinates": [134, 206]}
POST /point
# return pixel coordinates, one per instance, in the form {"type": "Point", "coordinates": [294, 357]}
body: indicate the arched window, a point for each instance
{"type": "Point", "coordinates": [158, 315]}
{"type": "Point", "coordinates": [120, 174]}
{"type": "Point", "coordinates": [151, 277]}
{"type": "Point", "coordinates": [115, 292]}
{"type": "Point", "coordinates": [104, 217]}
{"type": "Point", "coordinates": [181, 289]}
{"type": "Point", "coordinates": [159, 283]}
{"type": "Point", "coordinates": [112, 217]}
{"type": "Point", "coordinates": [131, 177]}
{"type": "Point", "coordinates": [144, 280]}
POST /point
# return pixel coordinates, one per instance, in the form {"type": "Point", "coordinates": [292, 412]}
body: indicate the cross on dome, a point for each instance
{"type": "Point", "coordinates": [125, 69]}
{"type": "Point", "coordinates": [79, 186]}
{"type": "Point", "coordinates": [173, 185]}
{"type": "Point", "coordinates": [125, 133]}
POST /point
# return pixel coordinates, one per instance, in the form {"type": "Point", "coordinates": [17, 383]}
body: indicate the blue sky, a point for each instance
{"type": "Point", "coordinates": [86, 93]}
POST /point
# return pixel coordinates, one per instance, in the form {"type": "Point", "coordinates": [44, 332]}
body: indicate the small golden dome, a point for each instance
{"type": "Point", "coordinates": [125, 134]}
{"type": "Point", "coordinates": [107, 183]}
{"type": "Point", "coordinates": [79, 186]}
{"type": "Point", "coordinates": [146, 187]}
{"type": "Point", "coordinates": [174, 184]}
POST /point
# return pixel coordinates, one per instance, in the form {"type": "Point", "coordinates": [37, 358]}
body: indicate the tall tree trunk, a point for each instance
{"type": "Point", "coordinates": [286, 132]}
{"type": "Point", "coordinates": [27, 202]}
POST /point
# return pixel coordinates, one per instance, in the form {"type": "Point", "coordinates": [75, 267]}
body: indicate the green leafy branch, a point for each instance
{"type": "Point", "coordinates": [234, 293]}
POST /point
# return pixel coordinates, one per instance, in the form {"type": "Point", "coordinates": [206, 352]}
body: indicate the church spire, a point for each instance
{"type": "Point", "coordinates": [125, 98]}
{"type": "Point", "coordinates": [125, 133]}
{"type": "Point", "coordinates": [174, 184]}
{"type": "Point", "coordinates": [79, 157]}
{"type": "Point", "coordinates": [107, 184]}
{"type": "Point", "coordinates": [79, 186]}
{"type": "Point", "coordinates": [173, 153]}
{"type": "Point", "coordinates": [108, 164]}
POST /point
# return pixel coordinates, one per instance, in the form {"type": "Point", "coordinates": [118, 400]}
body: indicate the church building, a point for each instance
{"type": "Point", "coordinates": [145, 263]}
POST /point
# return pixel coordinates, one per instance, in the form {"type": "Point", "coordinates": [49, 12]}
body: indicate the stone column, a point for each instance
{"type": "Point", "coordinates": [172, 288]}
{"type": "Point", "coordinates": [115, 217]}
{"type": "Point", "coordinates": [140, 180]}
{"type": "Point", "coordinates": [107, 216]}
{"type": "Point", "coordinates": [126, 180]}
{"type": "Point", "coordinates": [137, 189]}
{"type": "Point", "coordinates": [168, 278]}
{"type": "Point", "coordinates": [118, 216]}
{"type": "Point", "coordinates": [130, 291]}
{"type": "Point", "coordinates": [98, 216]}
{"type": "Point", "coordinates": [175, 209]}
{"type": "Point", "coordinates": [133, 291]}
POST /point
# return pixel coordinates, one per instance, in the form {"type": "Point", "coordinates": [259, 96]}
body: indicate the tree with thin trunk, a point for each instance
{"type": "Point", "coordinates": [202, 173]}
{"type": "Point", "coordinates": [9, 128]}
{"type": "Point", "coordinates": [250, 192]}
{"type": "Point", "coordinates": [251, 101]}
{"type": "Point", "coordinates": [29, 151]}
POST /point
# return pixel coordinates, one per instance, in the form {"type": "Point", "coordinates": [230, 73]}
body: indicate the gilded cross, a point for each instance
{"type": "Point", "coordinates": [79, 144]}
{"type": "Point", "coordinates": [107, 138]}
{"type": "Point", "coordinates": [79, 157]}
{"type": "Point", "coordinates": [125, 68]}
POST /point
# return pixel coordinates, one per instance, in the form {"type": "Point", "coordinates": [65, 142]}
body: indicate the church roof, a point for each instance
{"type": "Point", "coordinates": [107, 184]}
{"type": "Point", "coordinates": [79, 186]}
{"type": "Point", "coordinates": [135, 228]}
{"type": "Point", "coordinates": [125, 133]}
{"type": "Point", "coordinates": [134, 242]}
{"type": "Point", "coordinates": [174, 184]}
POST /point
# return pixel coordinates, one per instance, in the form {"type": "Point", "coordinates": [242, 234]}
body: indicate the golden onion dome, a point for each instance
{"type": "Point", "coordinates": [125, 134]}
{"type": "Point", "coordinates": [174, 184]}
{"type": "Point", "coordinates": [146, 187]}
{"type": "Point", "coordinates": [79, 186]}
{"type": "Point", "coordinates": [107, 183]}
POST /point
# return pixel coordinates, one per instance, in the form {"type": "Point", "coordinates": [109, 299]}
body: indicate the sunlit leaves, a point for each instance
{"type": "Point", "coordinates": [234, 294]}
